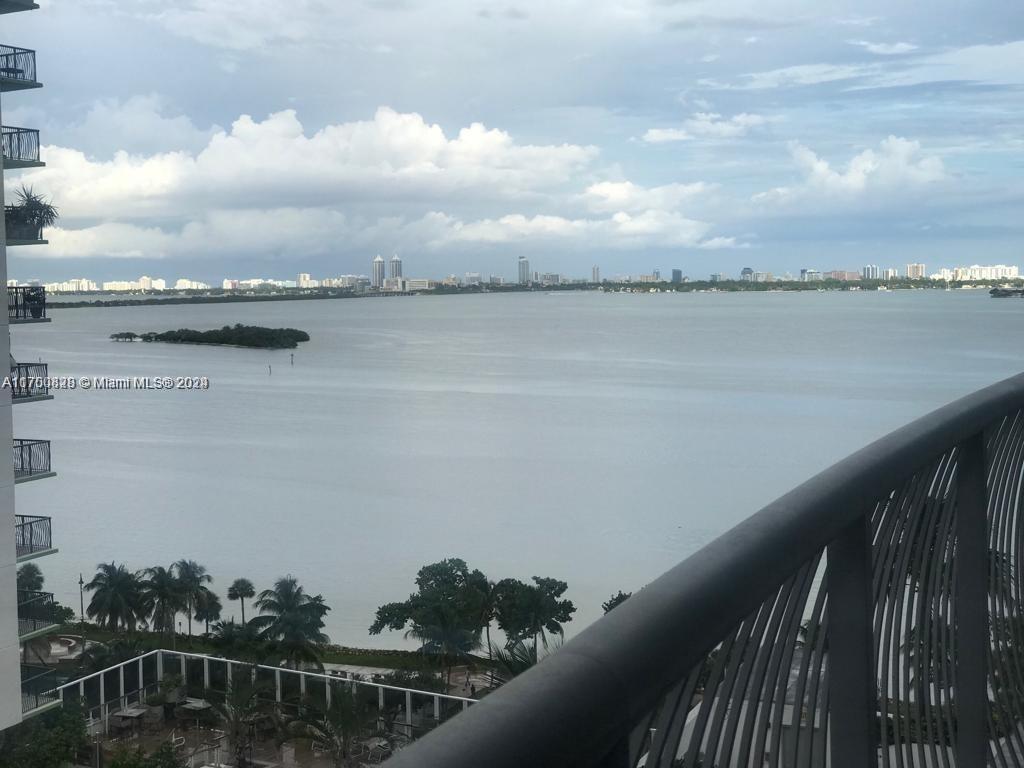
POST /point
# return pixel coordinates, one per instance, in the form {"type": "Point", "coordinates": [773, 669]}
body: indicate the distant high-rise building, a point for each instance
{"type": "Point", "coordinates": [677, 276]}
{"type": "Point", "coordinates": [377, 280]}
{"type": "Point", "coordinates": [473, 278]}
{"type": "Point", "coordinates": [809, 275]}
{"type": "Point", "coordinates": [656, 274]}
{"type": "Point", "coordinates": [915, 271]}
{"type": "Point", "coordinates": [716, 277]}
{"type": "Point", "coordinates": [524, 270]}
{"type": "Point", "coordinates": [747, 274]}
{"type": "Point", "coordinates": [303, 280]}
{"type": "Point", "coordinates": [871, 272]}
{"type": "Point", "coordinates": [595, 274]}
{"type": "Point", "coordinates": [395, 266]}
{"type": "Point", "coordinates": [891, 273]}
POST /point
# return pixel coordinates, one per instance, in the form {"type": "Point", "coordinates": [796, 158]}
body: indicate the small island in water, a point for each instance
{"type": "Point", "coordinates": [236, 336]}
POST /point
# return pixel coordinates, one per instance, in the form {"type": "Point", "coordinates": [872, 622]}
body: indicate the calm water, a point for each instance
{"type": "Point", "coordinates": [595, 438]}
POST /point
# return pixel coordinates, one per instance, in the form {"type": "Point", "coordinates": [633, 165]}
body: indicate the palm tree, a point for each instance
{"type": "Point", "coordinates": [117, 601]}
{"type": "Point", "coordinates": [30, 578]}
{"type": "Point", "coordinates": [208, 607]}
{"type": "Point", "coordinates": [165, 596]}
{"type": "Point", "coordinates": [238, 712]}
{"type": "Point", "coordinates": [100, 656]}
{"type": "Point", "coordinates": [193, 577]}
{"type": "Point", "coordinates": [444, 636]}
{"type": "Point", "coordinates": [292, 620]}
{"type": "Point", "coordinates": [332, 729]}
{"type": "Point", "coordinates": [242, 590]}
{"type": "Point", "coordinates": [239, 641]}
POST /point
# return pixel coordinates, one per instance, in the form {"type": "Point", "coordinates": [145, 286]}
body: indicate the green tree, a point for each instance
{"type": "Point", "coordinates": [238, 712]}
{"type": "Point", "coordinates": [446, 614]}
{"type": "Point", "coordinates": [193, 578]}
{"type": "Point", "coordinates": [616, 599]}
{"type": "Point", "coordinates": [117, 601]}
{"type": "Point", "coordinates": [332, 728]}
{"type": "Point", "coordinates": [208, 607]}
{"type": "Point", "coordinates": [100, 656]}
{"type": "Point", "coordinates": [52, 739]}
{"type": "Point", "coordinates": [293, 621]}
{"type": "Point", "coordinates": [239, 641]}
{"type": "Point", "coordinates": [241, 590]}
{"type": "Point", "coordinates": [164, 595]}
{"type": "Point", "coordinates": [533, 610]}
{"type": "Point", "coordinates": [30, 577]}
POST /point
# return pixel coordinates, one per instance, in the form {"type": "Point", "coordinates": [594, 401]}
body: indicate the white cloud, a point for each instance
{"type": "Point", "coordinates": [897, 164]}
{"type": "Point", "coordinates": [614, 196]}
{"type": "Point", "coordinates": [884, 49]}
{"type": "Point", "coordinates": [707, 125]}
{"type": "Point", "coordinates": [800, 75]}
{"type": "Point", "coordinates": [395, 157]}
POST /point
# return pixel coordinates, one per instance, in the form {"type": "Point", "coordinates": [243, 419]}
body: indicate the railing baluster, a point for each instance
{"type": "Point", "coordinates": [971, 593]}
{"type": "Point", "coordinates": [853, 700]}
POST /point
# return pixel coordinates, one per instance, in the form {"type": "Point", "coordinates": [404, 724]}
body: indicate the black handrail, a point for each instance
{"type": "Point", "coordinates": [20, 144]}
{"type": "Point", "coordinates": [18, 227]}
{"type": "Point", "coordinates": [855, 601]}
{"type": "Point", "coordinates": [36, 611]}
{"type": "Point", "coordinates": [32, 534]}
{"type": "Point", "coordinates": [29, 380]}
{"type": "Point", "coordinates": [31, 457]}
{"type": "Point", "coordinates": [17, 63]}
{"type": "Point", "coordinates": [26, 302]}
{"type": "Point", "coordinates": [38, 687]}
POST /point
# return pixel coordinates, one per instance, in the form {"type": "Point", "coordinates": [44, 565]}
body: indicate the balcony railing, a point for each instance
{"type": "Point", "coordinates": [12, 6]}
{"type": "Point", "coordinates": [20, 147]}
{"type": "Point", "coordinates": [38, 687]}
{"type": "Point", "coordinates": [872, 616]}
{"type": "Point", "coordinates": [29, 380]}
{"type": "Point", "coordinates": [36, 611]}
{"type": "Point", "coordinates": [26, 303]}
{"type": "Point", "coordinates": [19, 231]}
{"type": "Point", "coordinates": [31, 458]}
{"type": "Point", "coordinates": [17, 68]}
{"type": "Point", "coordinates": [32, 535]}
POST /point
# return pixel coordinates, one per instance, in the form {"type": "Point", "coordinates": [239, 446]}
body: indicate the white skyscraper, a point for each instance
{"type": "Point", "coordinates": [595, 274]}
{"type": "Point", "coordinates": [524, 270]}
{"type": "Point", "coordinates": [377, 279]}
{"type": "Point", "coordinates": [395, 267]}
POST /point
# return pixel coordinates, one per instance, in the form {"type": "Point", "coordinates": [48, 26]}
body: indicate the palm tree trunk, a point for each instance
{"type": "Point", "coordinates": [242, 599]}
{"type": "Point", "coordinates": [490, 653]}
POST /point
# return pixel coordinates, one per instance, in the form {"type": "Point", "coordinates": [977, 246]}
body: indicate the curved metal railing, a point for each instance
{"type": "Point", "coordinates": [845, 624]}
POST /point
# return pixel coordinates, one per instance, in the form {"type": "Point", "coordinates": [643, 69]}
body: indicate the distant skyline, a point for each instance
{"type": "Point", "coordinates": [247, 139]}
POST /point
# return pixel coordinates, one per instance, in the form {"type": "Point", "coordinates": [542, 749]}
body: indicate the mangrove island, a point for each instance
{"type": "Point", "coordinates": [236, 336]}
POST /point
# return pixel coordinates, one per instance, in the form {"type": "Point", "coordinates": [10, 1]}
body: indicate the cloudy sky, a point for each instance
{"type": "Point", "coordinates": [206, 138]}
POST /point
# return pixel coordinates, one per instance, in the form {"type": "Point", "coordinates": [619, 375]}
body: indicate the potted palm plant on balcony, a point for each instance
{"type": "Point", "coordinates": [35, 300]}
{"type": "Point", "coordinates": [26, 219]}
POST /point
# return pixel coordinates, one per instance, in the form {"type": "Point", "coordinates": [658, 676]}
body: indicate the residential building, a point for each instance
{"type": "Point", "coordinates": [377, 279]}
{"type": "Point", "coordinates": [762, 277]}
{"type": "Point", "coordinates": [24, 615]}
{"type": "Point", "coordinates": [677, 276]}
{"type": "Point", "coordinates": [419, 284]}
{"type": "Point", "coordinates": [496, 280]}
{"type": "Point", "coordinates": [871, 272]}
{"type": "Point", "coordinates": [395, 267]}
{"type": "Point", "coordinates": [716, 277]}
{"type": "Point", "coordinates": [595, 274]}
{"type": "Point", "coordinates": [184, 284]}
{"type": "Point", "coordinates": [393, 284]}
{"type": "Point", "coordinates": [524, 270]}
{"type": "Point", "coordinates": [890, 273]}
{"type": "Point", "coordinates": [747, 275]}
{"type": "Point", "coordinates": [550, 278]}
{"type": "Point", "coordinates": [915, 271]}
{"type": "Point", "coordinates": [303, 280]}
{"type": "Point", "coordinates": [977, 272]}
{"type": "Point", "coordinates": [473, 278]}
{"type": "Point", "coordinates": [842, 275]}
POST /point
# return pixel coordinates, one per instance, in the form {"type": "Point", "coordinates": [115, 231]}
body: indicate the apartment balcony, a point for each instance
{"type": "Point", "coordinates": [37, 614]}
{"type": "Point", "coordinates": [17, 67]}
{"type": "Point", "coordinates": [26, 304]}
{"type": "Point", "coordinates": [869, 617]}
{"type": "Point", "coordinates": [31, 460]}
{"type": "Point", "coordinates": [30, 382]}
{"type": "Point", "coordinates": [38, 689]}
{"type": "Point", "coordinates": [13, 6]}
{"type": "Point", "coordinates": [21, 230]}
{"type": "Point", "coordinates": [32, 537]}
{"type": "Point", "coordinates": [20, 148]}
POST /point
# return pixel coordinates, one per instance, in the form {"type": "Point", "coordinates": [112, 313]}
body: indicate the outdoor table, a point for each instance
{"type": "Point", "coordinates": [133, 715]}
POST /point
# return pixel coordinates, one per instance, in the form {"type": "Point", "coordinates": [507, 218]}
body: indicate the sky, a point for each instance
{"type": "Point", "coordinates": [259, 138]}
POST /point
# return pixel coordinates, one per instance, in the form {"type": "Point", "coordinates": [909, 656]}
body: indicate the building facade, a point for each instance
{"type": "Point", "coordinates": [377, 275]}
{"type": "Point", "coordinates": [24, 614]}
{"type": "Point", "coordinates": [915, 271]}
{"type": "Point", "coordinates": [395, 267]}
{"type": "Point", "coordinates": [524, 270]}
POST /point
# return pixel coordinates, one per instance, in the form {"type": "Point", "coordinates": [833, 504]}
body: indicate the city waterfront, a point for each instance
{"type": "Point", "coordinates": [597, 438]}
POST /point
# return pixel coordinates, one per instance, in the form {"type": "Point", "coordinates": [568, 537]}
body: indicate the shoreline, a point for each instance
{"type": "Point", "coordinates": [663, 287]}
